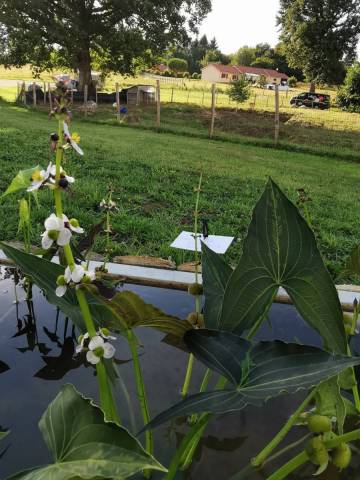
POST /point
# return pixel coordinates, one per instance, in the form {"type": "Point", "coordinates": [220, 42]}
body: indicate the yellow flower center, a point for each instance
{"type": "Point", "coordinates": [36, 176]}
{"type": "Point", "coordinates": [75, 137]}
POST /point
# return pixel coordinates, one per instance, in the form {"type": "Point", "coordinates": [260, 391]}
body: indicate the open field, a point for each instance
{"type": "Point", "coordinates": [186, 108]}
{"type": "Point", "coordinates": [154, 175]}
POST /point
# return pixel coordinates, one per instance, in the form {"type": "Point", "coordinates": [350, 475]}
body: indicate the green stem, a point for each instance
{"type": "Point", "coordinates": [259, 459]}
{"type": "Point", "coordinates": [149, 442]}
{"type": "Point", "coordinates": [205, 381]}
{"type": "Point", "coordinates": [355, 388]}
{"type": "Point", "coordinates": [290, 466]}
{"type": "Point", "coordinates": [347, 437]}
{"type": "Point", "coordinates": [187, 440]}
{"type": "Point", "coordinates": [106, 397]}
{"type": "Point", "coordinates": [189, 370]}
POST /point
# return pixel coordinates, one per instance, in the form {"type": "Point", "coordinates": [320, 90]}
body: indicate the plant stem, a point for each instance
{"type": "Point", "coordinates": [205, 381]}
{"type": "Point", "coordinates": [290, 466]}
{"type": "Point", "coordinates": [175, 462]}
{"type": "Point", "coordinates": [259, 459]}
{"type": "Point", "coordinates": [347, 437]}
{"type": "Point", "coordinates": [106, 397]}
{"type": "Point", "coordinates": [355, 388]}
{"type": "Point", "coordinates": [190, 366]}
{"type": "Point", "coordinates": [149, 443]}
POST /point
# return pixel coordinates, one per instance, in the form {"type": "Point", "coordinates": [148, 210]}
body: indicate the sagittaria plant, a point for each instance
{"type": "Point", "coordinates": [279, 251]}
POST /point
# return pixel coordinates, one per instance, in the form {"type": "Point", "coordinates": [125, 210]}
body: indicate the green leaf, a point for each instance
{"type": "Point", "coordinates": [21, 181]}
{"type": "Point", "coordinates": [216, 274]}
{"type": "Point", "coordinates": [271, 368]}
{"type": "Point", "coordinates": [44, 274]}
{"type": "Point", "coordinates": [330, 402]}
{"type": "Point", "coordinates": [130, 311]}
{"type": "Point", "coordinates": [280, 251]}
{"type": "Point", "coordinates": [84, 445]}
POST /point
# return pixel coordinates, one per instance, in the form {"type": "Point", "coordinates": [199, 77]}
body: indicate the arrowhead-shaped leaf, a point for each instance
{"type": "Point", "coordinates": [21, 181]}
{"type": "Point", "coordinates": [267, 370]}
{"type": "Point", "coordinates": [216, 274]}
{"type": "Point", "coordinates": [84, 445]}
{"type": "Point", "coordinates": [280, 251]}
{"type": "Point", "coordinates": [4, 434]}
{"type": "Point", "coordinates": [130, 311]}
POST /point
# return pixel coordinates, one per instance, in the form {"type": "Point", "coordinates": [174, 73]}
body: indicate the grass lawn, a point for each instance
{"type": "Point", "coordinates": [154, 175]}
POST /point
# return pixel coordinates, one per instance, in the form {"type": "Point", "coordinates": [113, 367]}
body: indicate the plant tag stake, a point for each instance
{"type": "Point", "coordinates": [217, 243]}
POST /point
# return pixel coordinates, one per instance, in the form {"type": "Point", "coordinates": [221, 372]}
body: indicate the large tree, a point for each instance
{"type": "Point", "coordinates": [72, 33]}
{"type": "Point", "coordinates": [318, 35]}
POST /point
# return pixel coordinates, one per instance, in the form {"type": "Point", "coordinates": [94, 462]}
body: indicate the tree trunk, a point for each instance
{"type": "Point", "coordinates": [84, 66]}
{"type": "Point", "coordinates": [312, 87]}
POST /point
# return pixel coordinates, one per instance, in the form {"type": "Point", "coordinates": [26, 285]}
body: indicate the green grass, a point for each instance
{"type": "Point", "coordinates": [154, 174]}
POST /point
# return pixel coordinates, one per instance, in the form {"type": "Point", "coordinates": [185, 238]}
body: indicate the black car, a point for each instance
{"type": "Point", "coordinates": [311, 100]}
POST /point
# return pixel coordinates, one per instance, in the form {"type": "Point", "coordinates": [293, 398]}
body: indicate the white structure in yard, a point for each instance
{"type": "Point", "coordinates": [218, 73]}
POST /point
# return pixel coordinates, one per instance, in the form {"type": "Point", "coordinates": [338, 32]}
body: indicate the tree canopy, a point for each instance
{"type": "Point", "coordinates": [319, 35]}
{"type": "Point", "coordinates": [72, 33]}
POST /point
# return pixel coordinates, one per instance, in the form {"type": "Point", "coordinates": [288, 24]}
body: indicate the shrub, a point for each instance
{"type": "Point", "coordinates": [186, 75]}
{"type": "Point", "coordinates": [292, 81]}
{"type": "Point", "coordinates": [177, 65]}
{"type": "Point", "coordinates": [196, 76]}
{"type": "Point", "coordinates": [348, 96]}
{"type": "Point", "coordinates": [240, 90]}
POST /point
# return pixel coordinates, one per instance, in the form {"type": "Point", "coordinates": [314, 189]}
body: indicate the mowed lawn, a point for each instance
{"type": "Point", "coordinates": [154, 175]}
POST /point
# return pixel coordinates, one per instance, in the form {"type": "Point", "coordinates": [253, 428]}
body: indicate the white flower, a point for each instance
{"type": "Point", "coordinates": [55, 231]}
{"type": "Point", "coordinates": [62, 174]}
{"type": "Point", "coordinates": [105, 333]}
{"type": "Point", "coordinates": [99, 349]}
{"type": "Point", "coordinates": [82, 339]}
{"type": "Point", "coordinates": [77, 275]}
{"type": "Point", "coordinates": [74, 225]}
{"type": "Point", "coordinates": [39, 178]}
{"type": "Point", "coordinates": [72, 142]}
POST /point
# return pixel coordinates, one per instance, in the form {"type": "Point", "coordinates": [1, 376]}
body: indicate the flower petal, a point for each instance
{"type": "Point", "coordinates": [64, 237]}
{"type": "Point", "coordinates": [34, 186]}
{"type": "Point", "coordinates": [67, 274]}
{"type": "Point", "coordinates": [61, 290]}
{"type": "Point", "coordinates": [52, 222]}
{"type": "Point", "coordinates": [66, 130]}
{"type": "Point", "coordinates": [109, 350]}
{"type": "Point", "coordinates": [70, 179]}
{"type": "Point", "coordinates": [76, 229]}
{"type": "Point", "coordinates": [92, 358]}
{"type": "Point", "coordinates": [46, 241]}
{"type": "Point", "coordinates": [77, 273]}
{"type": "Point", "coordinates": [76, 147]}
{"type": "Point", "coordinates": [96, 342]}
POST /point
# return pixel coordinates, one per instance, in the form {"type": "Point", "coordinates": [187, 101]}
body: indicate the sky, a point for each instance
{"type": "Point", "coordinates": [235, 23]}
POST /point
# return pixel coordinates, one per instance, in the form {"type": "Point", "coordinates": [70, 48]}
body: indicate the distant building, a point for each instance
{"type": "Point", "coordinates": [216, 72]}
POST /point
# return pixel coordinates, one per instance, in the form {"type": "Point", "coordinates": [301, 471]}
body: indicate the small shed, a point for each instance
{"type": "Point", "coordinates": [140, 94]}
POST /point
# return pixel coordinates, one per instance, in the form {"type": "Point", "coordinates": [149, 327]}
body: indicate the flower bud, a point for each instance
{"type": "Point", "coordinates": [54, 137]}
{"type": "Point", "coordinates": [319, 424]}
{"type": "Point", "coordinates": [61, 281]}
{"type": "Point", "coordinates": [196, 319]}
{"type": "Point", "coordinates": [105, 332]}
{"type": "Point", "coordinates": [63, 183]}
{"type": "Point", "coordinates": [195, 289]}
{"type": "Point", "coordinates": [86, 279]}
{"type": "Point", "coordinates": [341, 456]}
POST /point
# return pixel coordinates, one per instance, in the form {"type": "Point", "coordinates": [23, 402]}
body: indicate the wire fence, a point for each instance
{"type": "Point", "coordinates": [196, 110]}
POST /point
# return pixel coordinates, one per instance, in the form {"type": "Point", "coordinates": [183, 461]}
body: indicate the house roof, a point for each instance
{"type": "Point", "coordinates": [234, 69]}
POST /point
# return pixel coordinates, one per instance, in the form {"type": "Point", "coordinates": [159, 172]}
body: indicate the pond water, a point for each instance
{"type": "Point", "coordinates": [37, 356]}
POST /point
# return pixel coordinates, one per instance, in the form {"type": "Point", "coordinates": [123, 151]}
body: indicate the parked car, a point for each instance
{"type": "Point", "coordinates": [311, 100]}
{"type": "Point", "coordinates": [282, 88]}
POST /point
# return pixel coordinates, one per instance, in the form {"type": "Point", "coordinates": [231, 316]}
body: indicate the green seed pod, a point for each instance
{"type": "Point", "coordinates": [341, 456]}
{"type": "Point", "coordinates": [74, 222]}
{"type": "Point", "coordinates": [195, 289]}
{"type": "Point", "coordinates": [319, 424]}
{"type": "Point", "coordinates": [348, 330]}
{"type": "Point", "coordinates": [317, 452]}
{"type": "Point", "coordinates": [53, 234]}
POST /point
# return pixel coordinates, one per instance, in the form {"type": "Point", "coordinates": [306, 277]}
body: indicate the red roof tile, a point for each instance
{"type": "Point", "coordinates": [233, 69]}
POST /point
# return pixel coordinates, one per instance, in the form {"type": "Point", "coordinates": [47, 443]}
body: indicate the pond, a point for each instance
{"type": "Point", "coordinates": [37, 346]}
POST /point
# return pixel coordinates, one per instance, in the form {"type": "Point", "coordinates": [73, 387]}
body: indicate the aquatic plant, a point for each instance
{"type": "Point", "coordinates": [279, 251]}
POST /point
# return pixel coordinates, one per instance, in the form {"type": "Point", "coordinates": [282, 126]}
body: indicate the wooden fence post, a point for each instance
{"type": "Point", "coordinates": [34, 93]}
{"type": "Point", "coordinates": [172, 95]}
{"type": "Point", "coordinates": [158, 104]}
{"type": "Point", "coordinates": [85, 100]}
{"type": "Point", "coordinates": [213, 105]}
{"type": "Point", "coordinates": [277, 114]}
{"type": "Point", "coordinates": [96, 95]}
{"type": "Point", "coordinates": [44, 86]}
{"type": "Point", "coordinates": [72, 96]}
{"type": "Point", "coordinates": [50, 97]}
{"type": "Point", "coordinates": [117, 102]}
{"type": "Point", "coordinates": [24, 92]}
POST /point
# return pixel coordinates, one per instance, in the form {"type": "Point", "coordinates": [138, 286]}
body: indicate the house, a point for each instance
{"type": "Point", "coordinates": [216, 72]}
